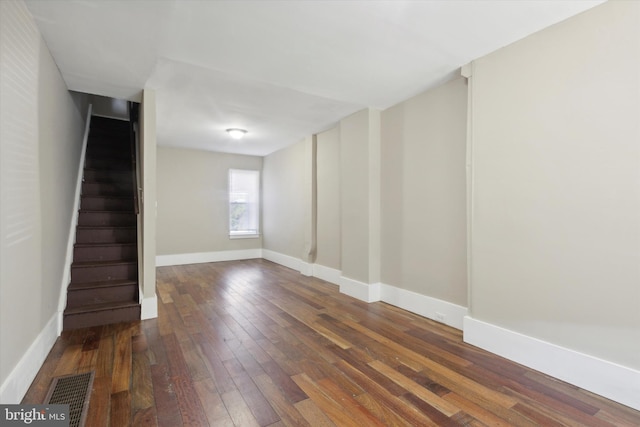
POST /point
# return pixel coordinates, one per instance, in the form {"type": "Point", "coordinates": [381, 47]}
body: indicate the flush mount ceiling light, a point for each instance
{"type": "Point", "coordinates": [236, 133]}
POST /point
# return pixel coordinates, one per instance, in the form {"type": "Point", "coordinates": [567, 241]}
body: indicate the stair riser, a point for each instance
{"type": "Point", "coordinates": [110, 272]}
{"type": "Point", "coordinates": [122, 151]}
{"type": "Point", "coordinates": [102, 175]}
{"type": "Point", "coordinates": [107, 123]}
{"type": "Point", "coordinates": [104, 317]}
{"type": "Point", "coordinates": [99, 203]}
{"type": "Point", "coordinates": [107, 189]}
{"type": "Point", "coordinates": [107, 163]}
{"type": "Point", "coordinates": [105, 253]}
{"type": "Point", "coordinates": [119, 142]}
{"type": "Point", "coordinates": [106, 218]}
{"type": "Point", "coordinates": [106, 236]}
{"type": "Point", "coordinates": [79, 298]}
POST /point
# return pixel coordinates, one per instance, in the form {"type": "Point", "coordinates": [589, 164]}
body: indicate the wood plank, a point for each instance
{"type": "Point", "coordinates": [422, 393]}
{"type": "Point", "coordinates": [212, 404]}
{"type": "Point", "coordinates": [99, 403]}
{"type": "Point", "coordinates": [175, 358]}
{"type": "Point", "coordinates": [68, 361]}
{"type": "Point", "coordinates": [381, 411]}
{"type": "Point", "coordinates": [238, 409]}
{"type": "Point", "coordinates": [104, 360]}
{"type": "Point", "coordinates": [348, 402]}
{"type": "Point", "coordinates": [122, 360]}
{"type": "Point", "coordinates": [258, 405]}
{"type": "Point", "coordinates": [287, 412]}
{"type": "Point", "coordinates": [120, 409]}
{"type": "Point", "coordinates": [478, 412]}
{"type": "Point", "coordinates": [141, 383]}
{"type": "Point", "coordinates": [168, 413]}
{"type": "Point", "coordinates": [279, 377]}
{"type": "Point", "coordinates": [194, 360]}
{"type": "Point", "coordinates": [312, 414]}
{"type": "Point", "coordinates": [145, 417]}
{"type": "Point", "coordinates": [330, 407]}
{"type": "Point", "coordinates": [191, 410]}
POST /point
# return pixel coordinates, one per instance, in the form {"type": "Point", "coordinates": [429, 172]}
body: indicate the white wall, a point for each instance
{"type": "Point", "coordinates": [424, 194]}
{"type": "Point", "coordinates": [328, 199]}
{"type": "Point", "coordinates": [193, 201]}
{"type": "Point", "coordinates": [556, 199]}
{"type": "Point", "coordinates": [283, 201]}
{"type": "Point", "coordinates": [41, 131]}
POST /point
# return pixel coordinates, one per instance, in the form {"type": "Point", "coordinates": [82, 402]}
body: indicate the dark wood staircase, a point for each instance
{"type": "Point", "coordinates": [104, 273]}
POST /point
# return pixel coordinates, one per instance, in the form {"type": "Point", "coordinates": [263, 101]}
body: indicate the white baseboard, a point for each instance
{"type": "Point", "coordinates": [20, 378]}
{"type": "Point", "coordinates": [282, 259]}
{"type": "Point", "coordinates": [327, 274]}
{"type": "Point", "coordinates": [423, 305]}
{"type": "Point", "coordinates": [607, 379]}
{"type": "Point", "coordinates": [202, 257]}
{"type": "Point", "coordinates": [149, 308]}
{"type": "Point", "coordinates": [360, 290]}
{"type": "Point", "coordinates": [306, 269]}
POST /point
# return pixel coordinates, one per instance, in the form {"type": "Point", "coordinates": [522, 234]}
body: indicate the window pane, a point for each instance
{"type": "Point", "coordinates": [244, 203]}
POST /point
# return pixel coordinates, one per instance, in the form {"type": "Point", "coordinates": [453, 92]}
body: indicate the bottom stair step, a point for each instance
{"type": "Point", "coordinates": [100, 314]}
{"type": "Point", "coordinates": [92, 293]}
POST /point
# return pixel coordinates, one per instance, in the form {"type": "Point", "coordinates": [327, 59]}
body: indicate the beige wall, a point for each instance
{"type": "Point", "coordinates": [193, 201]}
{"type": "Point", "coordinates": [424, 194]}
{"type": "Point", "coordinates": [328, 199]}
{"type": "Point", "coordinates": [359, 195]}
{"type": "Point", "coordinates": [41, 131]}
{"type": "Point", "coordinates": [556, 173]}
{"type": "Point", "coordinates": [284, 195]}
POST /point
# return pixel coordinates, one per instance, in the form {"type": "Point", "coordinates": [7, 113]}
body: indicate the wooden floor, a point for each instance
{"type": "Point", "coordinates": [251, 343]}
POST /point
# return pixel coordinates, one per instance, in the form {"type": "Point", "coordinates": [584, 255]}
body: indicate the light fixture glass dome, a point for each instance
{"type": "Point", "coordinates": [236, 133]}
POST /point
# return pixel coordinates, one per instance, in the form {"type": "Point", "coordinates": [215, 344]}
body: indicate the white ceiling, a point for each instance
{"type": "Point", "coordinates": [280, 69]}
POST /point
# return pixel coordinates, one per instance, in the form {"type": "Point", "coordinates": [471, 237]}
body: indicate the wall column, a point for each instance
{"type": "Point", "coordinates": [360, 202]}
{"type": "Point", "coordinates": [148, 205]}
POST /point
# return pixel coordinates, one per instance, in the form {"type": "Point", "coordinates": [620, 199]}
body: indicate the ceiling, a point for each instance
{"type": "Point", "coordinates": [282, 70]}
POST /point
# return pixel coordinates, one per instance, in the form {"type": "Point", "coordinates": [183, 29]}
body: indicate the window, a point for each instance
{"type": "Point", "coordinates": [244, 203]}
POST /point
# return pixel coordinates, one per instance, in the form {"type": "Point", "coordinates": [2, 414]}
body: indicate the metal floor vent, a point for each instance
{"type": "Point", "coordinates": [75, 391]}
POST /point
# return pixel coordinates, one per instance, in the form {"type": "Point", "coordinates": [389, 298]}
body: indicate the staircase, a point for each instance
{"type": "Point", "coordinates": [104, 272]}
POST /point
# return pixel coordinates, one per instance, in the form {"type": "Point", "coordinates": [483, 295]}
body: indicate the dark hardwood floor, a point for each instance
{"type": "Point", "coordinates": [251, 343]}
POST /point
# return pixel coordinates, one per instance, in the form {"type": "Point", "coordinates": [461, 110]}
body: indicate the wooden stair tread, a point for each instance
{"type": "Point", "coordinates": [103, 211]}
{"type": "Point", "coordinates": [92, 308]}
{"type": "Point", "coordinates": [102, 245]}
{"type": "Point", "coordinates": [120, 195]}
{"type": "Point", "coordinates": [89, 264]}
{"type": "Point", "coordinates": [105, 227]}
{"type": "Point", "coordinates": [73, 286]}
{"type": "Point", "coordinates": [107, 196]}
{"type": "Point", "coordinates": [95, 169]}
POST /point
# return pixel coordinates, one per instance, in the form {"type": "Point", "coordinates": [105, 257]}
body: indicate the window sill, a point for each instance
{"type": "Point", "coordinates": [244, 236]}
